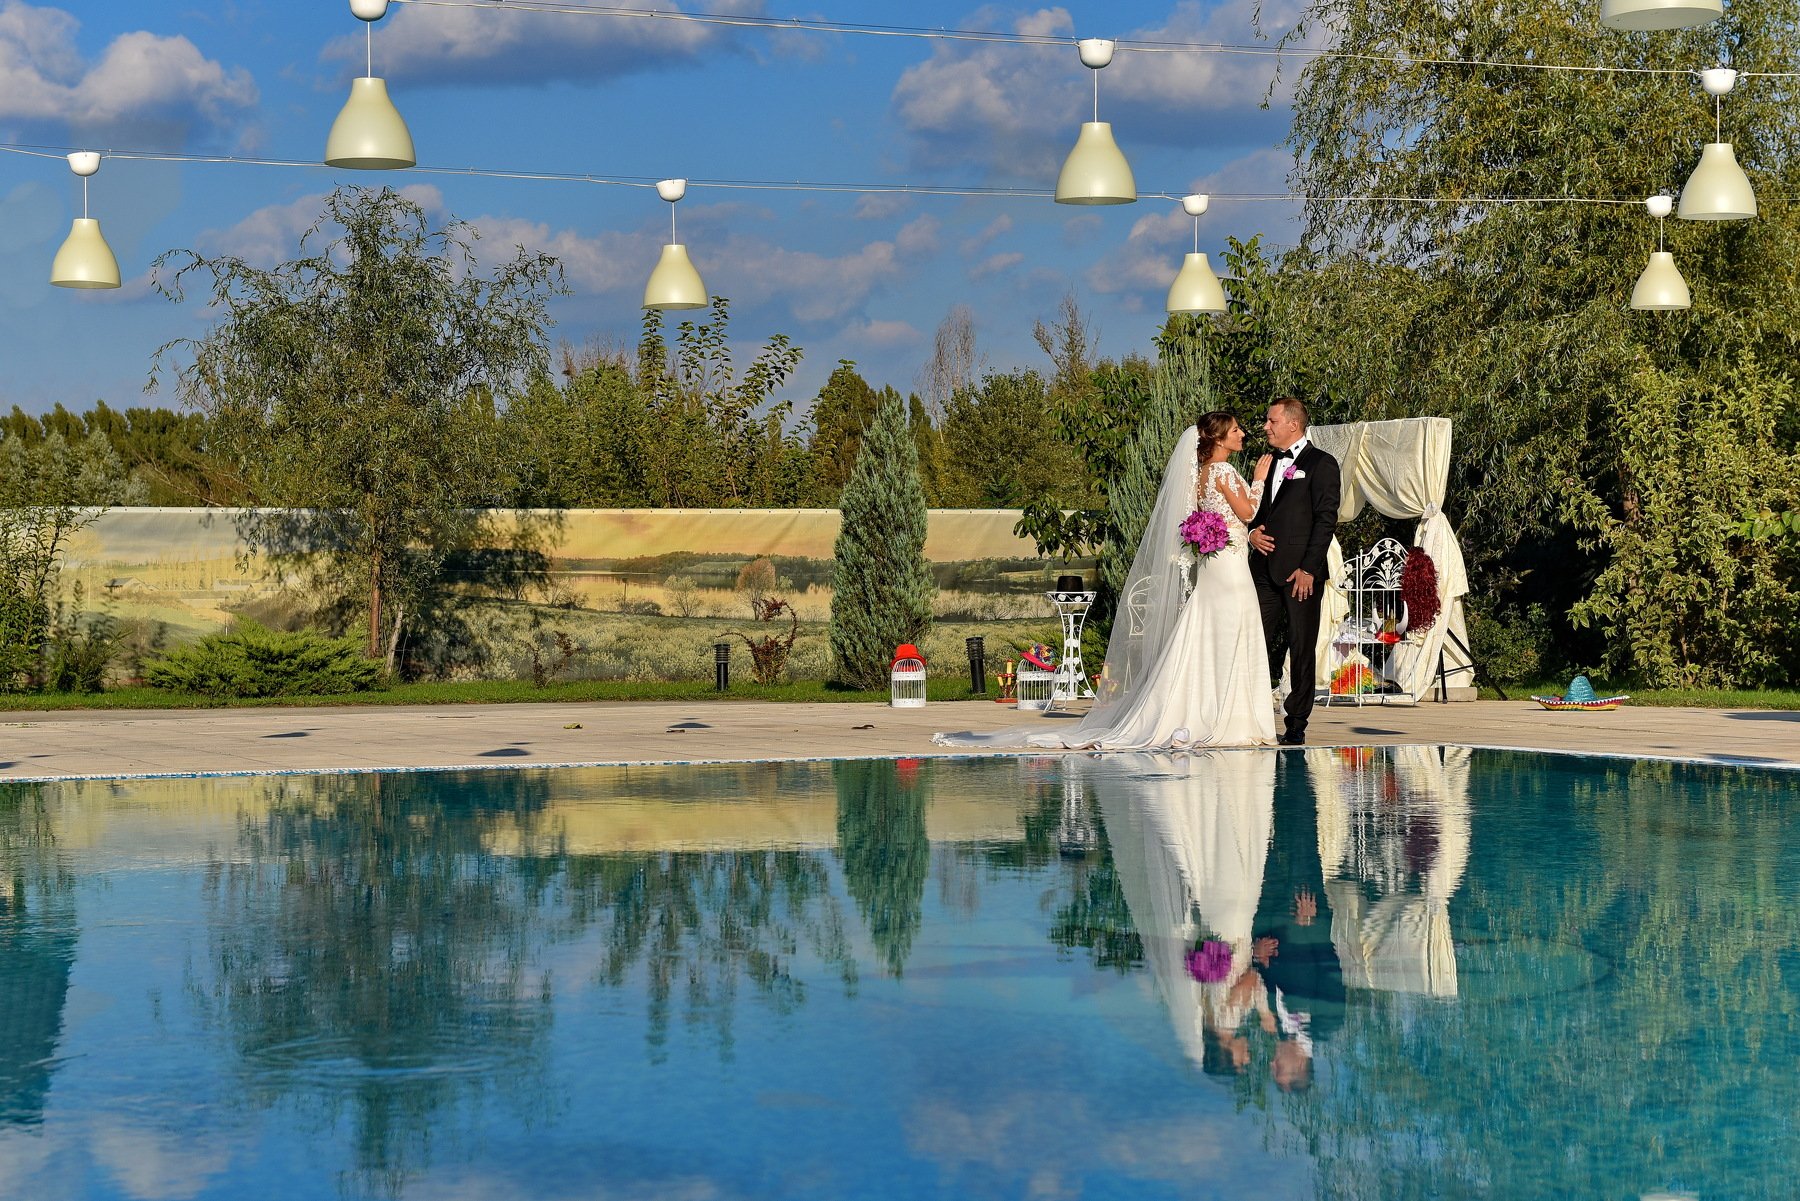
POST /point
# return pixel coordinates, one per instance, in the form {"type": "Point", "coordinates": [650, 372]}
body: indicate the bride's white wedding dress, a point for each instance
{"type": "Point", "coordinates": [1186, 665]}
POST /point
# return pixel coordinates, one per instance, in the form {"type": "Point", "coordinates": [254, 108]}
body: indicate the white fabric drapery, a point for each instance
{"type": "Point", "coordinates": [1402, 468]}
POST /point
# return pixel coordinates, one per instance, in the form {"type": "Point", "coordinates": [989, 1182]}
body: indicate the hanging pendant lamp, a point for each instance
{"type": "Point", "coordinates": [1718, 190]}
{"type": "Point", "coordinates": [1095, 171]}
{"type": "Point", "coordinates": [1659, 14]}
{"type": "Point", "coordinates": [1196, 289]}
{"type": "Point", "coordinates": [369, 134]}
{"type": "Point", "coordinates": [1660, 289]}
{"type": "Point", "coordinates": [84, 260]}
{"type": "Point", "coordinates": [674, 284]}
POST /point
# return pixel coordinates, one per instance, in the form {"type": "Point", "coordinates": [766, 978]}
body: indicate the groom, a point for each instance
{"type": "Point", "coordinates": [1290, 534]}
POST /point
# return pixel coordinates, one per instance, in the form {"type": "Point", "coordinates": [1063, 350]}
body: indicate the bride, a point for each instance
{"type": "Point", "coordinates": [1186, 665]}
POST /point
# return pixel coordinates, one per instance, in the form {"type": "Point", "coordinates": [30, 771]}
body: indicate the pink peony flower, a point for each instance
{"type": "Point", "coordinates": [1210, 962]}
{"type": "Point", "coordinates": [1205, 532]}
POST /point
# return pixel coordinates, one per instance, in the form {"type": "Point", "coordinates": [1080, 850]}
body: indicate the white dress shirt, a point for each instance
{"type": "Point", "coordinates": [1281, 465]}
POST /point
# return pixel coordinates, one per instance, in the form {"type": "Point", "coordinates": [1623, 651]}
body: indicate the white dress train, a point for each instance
{"type": "Point", "coordinates": [1187, 665]}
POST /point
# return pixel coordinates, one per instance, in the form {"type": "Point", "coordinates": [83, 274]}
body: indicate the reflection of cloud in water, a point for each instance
{"type": "Point", "coordinates": [1055, 1142]}
{"type": "Point", "coordinates": [158, 1163]}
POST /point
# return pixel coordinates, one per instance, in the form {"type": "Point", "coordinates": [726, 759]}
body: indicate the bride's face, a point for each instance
{"type": "Point", "coordinates": [1234, 438]}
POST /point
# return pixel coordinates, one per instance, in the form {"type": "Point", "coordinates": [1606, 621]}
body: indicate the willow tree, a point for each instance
{"type": "Point", "coordinates": [358, 384]}
{"type": "Point", "coordinates": [1470, 243]}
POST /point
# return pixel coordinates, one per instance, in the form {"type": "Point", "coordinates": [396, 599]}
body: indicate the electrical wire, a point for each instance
{"type": "Point", "coordinates": [1130, 45]}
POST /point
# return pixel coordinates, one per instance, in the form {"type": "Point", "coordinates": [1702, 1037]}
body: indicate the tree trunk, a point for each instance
{"type": "Point", "coordinates": [375, 607]}
{"type": "Point", "coordinates": [393, 645]}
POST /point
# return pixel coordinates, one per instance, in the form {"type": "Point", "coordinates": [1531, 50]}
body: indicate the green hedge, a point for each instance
{"type": "Point", "coordinates": [251, 660]}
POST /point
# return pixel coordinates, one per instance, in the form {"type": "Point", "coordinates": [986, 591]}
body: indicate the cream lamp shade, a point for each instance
{"type": "Point", "coordinates": [1096, 171]}
{"type": "Point", "coordinates": [675, 284]}
{"type": "Point", "coordinates": [369, 134]}
{"type": "Point", "coordinates": [1660, 289]}
{"type": "Point", "coordinates": [1631, 15]}
{"type": "Point", "coordinates": [85, 260]}
{"type": "Point", "coordinates": [1718, 190]}
{"type": "Point", "coordinates": [1196, 289]}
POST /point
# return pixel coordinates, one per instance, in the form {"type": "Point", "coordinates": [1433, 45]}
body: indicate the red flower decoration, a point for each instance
{"type": "Point", "coordinates": [1419, 590]}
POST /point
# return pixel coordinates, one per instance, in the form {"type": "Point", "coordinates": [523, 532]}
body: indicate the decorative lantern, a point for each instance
{"type": "Point", "coordinates": [906, 677]}
{"type": "Point", "coordinates": [1034, 686]}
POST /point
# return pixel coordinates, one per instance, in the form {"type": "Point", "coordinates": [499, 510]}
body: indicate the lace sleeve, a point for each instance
{"type": "Point", "coordinates": [1232, 482]}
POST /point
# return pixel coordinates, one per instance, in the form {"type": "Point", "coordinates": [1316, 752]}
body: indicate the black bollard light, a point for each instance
{"type": "Point", "coordinates": [722, 666]}
{"type": "Point", "coordinates": [977, 665]}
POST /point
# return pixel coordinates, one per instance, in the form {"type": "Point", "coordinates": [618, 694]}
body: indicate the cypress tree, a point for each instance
{"type": "Point", "coordinates": [882, 589]}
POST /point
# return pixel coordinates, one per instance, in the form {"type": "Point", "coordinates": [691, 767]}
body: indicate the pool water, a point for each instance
{"type": "Point", "coordinates": [1417, 972]}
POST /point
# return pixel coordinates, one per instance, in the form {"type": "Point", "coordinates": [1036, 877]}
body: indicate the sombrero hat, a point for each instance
{"type": "Point", "coordinates": [1580, 695]}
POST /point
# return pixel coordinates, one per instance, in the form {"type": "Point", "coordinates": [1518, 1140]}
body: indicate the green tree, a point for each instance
{"type": "Point", "coordinates": [50, 489]}
{"type": "Point", "coordinates": [721, 439]}
{"type": "Point", "coordinates": [882, 587]}
{"type": "Point", "coordinates": [359, 383]}
{"type": "Point", "coordinates": [887, 858]}
{"type": "Point", "coordinates": [1002, 444]}
{"type": "Point", "coordinates": [841, 412]}
{"type": "Point", "coordinates": [1510, 317]}
{"type": "Point", "coordinates": [1684, 598]}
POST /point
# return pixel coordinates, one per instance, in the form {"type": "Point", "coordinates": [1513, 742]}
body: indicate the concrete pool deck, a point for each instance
{"type": "Point", "coordinates": [69, 744]}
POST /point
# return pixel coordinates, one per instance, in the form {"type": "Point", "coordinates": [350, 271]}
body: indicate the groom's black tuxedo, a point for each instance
{"type": "Point", "coordinates": [1301, 517]}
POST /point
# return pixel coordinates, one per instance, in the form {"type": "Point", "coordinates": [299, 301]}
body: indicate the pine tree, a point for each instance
{"type": "Point", "coordinates": [882, 587]}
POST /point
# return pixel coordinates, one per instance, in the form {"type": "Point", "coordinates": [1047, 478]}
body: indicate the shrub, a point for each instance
{"type": "Point", "coordinates": [253, 660]}
{"type": "Point", "coordinates": [1511, 646]}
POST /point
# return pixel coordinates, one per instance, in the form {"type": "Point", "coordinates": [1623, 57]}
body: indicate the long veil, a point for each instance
{"type": "Point", "coordinates": [1149, 606]}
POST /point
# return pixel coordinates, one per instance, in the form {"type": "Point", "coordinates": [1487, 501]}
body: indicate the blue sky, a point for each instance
{"type": "Point", "coordinates": [860, 276]}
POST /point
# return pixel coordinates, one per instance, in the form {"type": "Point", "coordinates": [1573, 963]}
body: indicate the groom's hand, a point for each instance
{"type": "Point", "coordinates": [1260, 539]}
{"type": "Point", "coordinates": [1302, 582]}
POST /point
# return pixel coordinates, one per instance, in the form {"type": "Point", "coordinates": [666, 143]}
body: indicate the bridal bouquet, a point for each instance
{"type": "Point", "coordinates": [1204, 533]}
{"type": "Point", "coordinates": [1210, 962]}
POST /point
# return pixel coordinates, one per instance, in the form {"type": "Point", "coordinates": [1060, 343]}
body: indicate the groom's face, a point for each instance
{"type": "Point", "coordinates": [1281, 427]}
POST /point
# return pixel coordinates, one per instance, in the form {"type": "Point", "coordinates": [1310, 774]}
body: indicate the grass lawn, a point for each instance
{"type": "Point", "coordinates": [945, 687]}
{"type": "Point", "coordinates": [490, 692]}
{"type": "Point", "coordinates": [1665, 698]}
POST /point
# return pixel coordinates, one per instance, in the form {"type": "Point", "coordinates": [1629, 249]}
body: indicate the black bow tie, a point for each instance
{"type": "Point", "coordinates": [1283, 454]}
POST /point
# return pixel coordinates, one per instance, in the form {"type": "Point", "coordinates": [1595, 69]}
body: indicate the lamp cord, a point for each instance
{"type": "Point", "coordinates": [369, 49]}
{"type": "Point", "coordinates": [1196, 235]}
{"type": "Point", "coordinates": [1718, 105]}
{"type": "Point", "coordinates": [1096, 96]}
{"type": "Point", "coordinates": [672, 238]}
{"type": "Point", "coordinates": [84, 205]}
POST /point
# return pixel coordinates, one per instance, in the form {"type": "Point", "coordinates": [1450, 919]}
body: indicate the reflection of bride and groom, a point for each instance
{"type": "Point", "coordinates": [1260, 916]}
{"type": "Point", "coordinates": [1184, 664]}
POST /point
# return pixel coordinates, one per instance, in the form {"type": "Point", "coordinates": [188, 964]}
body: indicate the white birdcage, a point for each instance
{"type": "Point", "coordinates": [1035, 688]}
{"type": "Point", "coordinates": [907, 684]}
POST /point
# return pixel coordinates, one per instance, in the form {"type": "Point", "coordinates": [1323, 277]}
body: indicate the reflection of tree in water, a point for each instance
{"type": "Point", "coordinates": [881, 838]}
{"type": "Point", "coordinates": [1095, 917]}
{"type": "Point", "coordinates": [1673, 1071]}
{"type": "Point", "coordinates": [699, 922]}
{"type": "Point", "coordinates": [368, 954]}
{"type": "Point", "coordinates": [37, 950]}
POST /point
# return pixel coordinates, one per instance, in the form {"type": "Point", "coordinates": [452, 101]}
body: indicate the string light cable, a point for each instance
{"type": "Point", "coordinates": [772, 185]}
{"type": "Point", "coordinates": [1068, 41]}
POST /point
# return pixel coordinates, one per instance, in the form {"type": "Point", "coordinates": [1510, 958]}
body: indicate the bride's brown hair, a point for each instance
{"type": "Point", "coordinates": [1213, 428]}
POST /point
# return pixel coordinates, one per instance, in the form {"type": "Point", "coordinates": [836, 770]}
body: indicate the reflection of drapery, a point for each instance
{"type": "Point", "coordinates": [1399, 941]}
{"type": "Point", "coordinates": [1403, 469]}
{"type": "Point", "coordinates": [1189, 836]}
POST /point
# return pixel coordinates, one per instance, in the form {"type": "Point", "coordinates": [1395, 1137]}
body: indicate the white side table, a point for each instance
{"type": "Point", "coordinates": [1071, 681]}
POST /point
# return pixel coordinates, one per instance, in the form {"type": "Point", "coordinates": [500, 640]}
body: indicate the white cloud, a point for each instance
{"type": "Point", "coordinates": [1151, 256]}
{"type": "Point", "coordinates": [975, 245]}
{"type": "Point", "coordinates": [918, 237]}
{"type": "Point", "coordinates": [1015, 108]}
{"type": "Point", "coordinates": [493, 45]}
{"type": "Point", "coordinates": [995, 264]}
{"type": "Point", "coordinates": [882, 335]}
{"type": "Point", "coordinates": [271, 235]}
{"type": "Point", "coordinates": [139, 77]}
{"type": "Point", "coordinates": [881, 206]}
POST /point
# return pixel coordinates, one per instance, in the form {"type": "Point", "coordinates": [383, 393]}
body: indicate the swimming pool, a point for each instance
{"type": "Point", "coordinates": [1356, 973]}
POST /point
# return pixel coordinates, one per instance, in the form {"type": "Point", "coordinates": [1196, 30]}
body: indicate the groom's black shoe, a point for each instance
{"type": "Point", "coordinates": [1291, 739]}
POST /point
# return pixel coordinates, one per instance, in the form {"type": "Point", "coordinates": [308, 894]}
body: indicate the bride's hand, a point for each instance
{"type": "Point", "coordinates": [1262, 468]}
